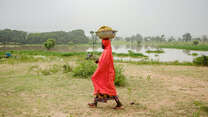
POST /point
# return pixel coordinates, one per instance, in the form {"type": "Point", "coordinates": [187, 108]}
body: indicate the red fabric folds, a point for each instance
{"type": "Point", "coordinates": [104, 76]}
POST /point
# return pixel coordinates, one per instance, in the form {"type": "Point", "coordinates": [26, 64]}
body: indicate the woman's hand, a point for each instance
{"type": "Point", "coordinates": [103, 46]}
{"type": "Point", "coordinates": [97, 61]}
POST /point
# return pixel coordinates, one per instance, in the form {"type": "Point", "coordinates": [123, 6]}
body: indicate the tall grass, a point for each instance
{"type": "Point", "coordinates": [120, 79]}
{"type": "Point", "coordinates": [85, 69]}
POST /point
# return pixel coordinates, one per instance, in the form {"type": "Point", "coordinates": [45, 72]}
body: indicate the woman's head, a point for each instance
{"type": "Point", "coordinates": [106, 43]}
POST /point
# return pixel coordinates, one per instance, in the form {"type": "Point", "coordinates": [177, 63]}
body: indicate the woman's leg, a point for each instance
{"type": "Point", "coordinates": [94, 104]}
{"type": "Point", "coordinates": [117, 101]}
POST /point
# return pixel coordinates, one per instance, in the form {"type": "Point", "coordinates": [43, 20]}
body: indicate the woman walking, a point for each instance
{"type": "Point", "coordinates": [104, 76]}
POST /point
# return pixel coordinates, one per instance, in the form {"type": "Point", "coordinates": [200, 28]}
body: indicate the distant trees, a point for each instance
{"type": "Point", "coordinates": [50, 43]}
{"type": "Point", "coordinates": [14, 36]}
{"type": "Point", "coordinates": [78, 36]}
{"type": "Point", "coordinates": [137, 37]}
{"type": "Point", "coordinates": [155, 38]}
{"type": "Point", "coordinates": [171, 39]}
{"type": "Point", "coordinates": [187, 37]}
{"type": "Point", "coordinates": [204, 38]}
{"type": "Point", "coordinates": [61, 37]}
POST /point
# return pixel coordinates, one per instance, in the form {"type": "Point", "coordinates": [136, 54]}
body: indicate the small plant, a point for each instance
{"type": "Point", "coordinates": [148, 77]}
{"type": "Point", "coordinates": [194, 54]}
{"type": "Point", "coordinates": [120, 79]}
{"type": "Point", "coordinates": [54, 68]}
{"type": "Point", "coordinates": [50, 43]}
{"type": "Point", "coordinates": [202, 60]}
{"type": "Point", "coordinates": [85, 69]}
{"type": "Point", "coordinates": [202, 108]}
{"type": "Point", "coordinates": [67, 68]}
{"type": "Point", "coordinates": [35, 69]}
{"type": "Point", "coordinates": [45, 72]}
{"type": "Point", "coordinates": [196, 114]}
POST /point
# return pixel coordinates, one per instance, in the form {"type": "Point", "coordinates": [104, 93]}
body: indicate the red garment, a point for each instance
{"type": "Point", "coordinates": [104, 76]}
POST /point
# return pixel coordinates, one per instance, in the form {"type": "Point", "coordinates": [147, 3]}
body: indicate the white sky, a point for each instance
{"type": "Point", "coordinates": [147, 17]}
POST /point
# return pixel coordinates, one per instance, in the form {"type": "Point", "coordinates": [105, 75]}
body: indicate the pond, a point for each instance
{"type": "Point", "coordinates": [168, 55]}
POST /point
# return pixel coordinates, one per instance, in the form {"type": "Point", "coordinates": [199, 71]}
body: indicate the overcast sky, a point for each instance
{"type": "Point", "coordinates": [147, 17]}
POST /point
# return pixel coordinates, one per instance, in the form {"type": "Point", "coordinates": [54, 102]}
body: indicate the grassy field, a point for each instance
{"type": "Point", "coordinates": [157, 90]}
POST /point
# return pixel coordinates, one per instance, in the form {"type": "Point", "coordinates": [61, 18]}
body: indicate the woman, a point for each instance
{"type": "Point", "coordinates": [104, 76]}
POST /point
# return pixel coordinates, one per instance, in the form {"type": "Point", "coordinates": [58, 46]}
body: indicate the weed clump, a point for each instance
{"type": "Point", "coordinates": [67, 68]}
{"type": "Point", "coordinates": [202, 60]}
{"type": "Point", "coordinates": [52, 69]}
{"type": "Point", "coordinates": [85, 69]}
{"type": "Point", "coordinates": [120, 79]}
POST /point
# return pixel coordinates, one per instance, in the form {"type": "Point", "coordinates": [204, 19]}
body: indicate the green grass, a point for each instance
{"type": "Point", "coordinates": [194, 54]}
{"type": "Point", "coordinates": [151, 62]}
{"type": "Point", "coordinates": [67, 54]}
{"type": "Point", "coordinates": [154, 89]}
{"type": "Point", "coordinates": [181, 45]}
{"type": "Point", "coordinates": [155, 51]}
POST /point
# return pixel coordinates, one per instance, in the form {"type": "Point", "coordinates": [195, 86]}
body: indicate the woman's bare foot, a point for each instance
{"type": "Point", "coordinates": [92, 105]}
{"type": "Point", "coordinates": [118, 107]}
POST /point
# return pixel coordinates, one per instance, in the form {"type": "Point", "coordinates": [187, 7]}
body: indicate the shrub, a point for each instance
{"type": "Point", "coordinates": [67, 68]}
{"type": "Point", "coordinates": [202, 60]}
{"type": "Point", "coordinates": [195, 42]}
{"type": "Point", "coordinates": [85, 69]}
{"type": "Point", "coordinates": [120, 79]}
{"type": "Point", "coordinates": [50, 43]}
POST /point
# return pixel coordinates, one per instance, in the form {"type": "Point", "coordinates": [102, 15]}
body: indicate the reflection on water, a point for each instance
{"type": "Point", "coordinates": [168, 55]}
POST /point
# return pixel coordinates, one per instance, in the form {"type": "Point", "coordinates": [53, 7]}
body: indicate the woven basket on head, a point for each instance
{"type": "Point", "coordinates": [106, 32]}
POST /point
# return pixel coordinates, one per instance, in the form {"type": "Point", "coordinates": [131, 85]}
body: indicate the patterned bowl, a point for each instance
{"type": "Point", "coordinates": [106, 34]}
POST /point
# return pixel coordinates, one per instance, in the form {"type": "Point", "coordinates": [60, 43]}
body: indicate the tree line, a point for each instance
{"type": "Point", "coordinates": [187, 37]}
{"type": "Point", "coordinates": [61, 37]}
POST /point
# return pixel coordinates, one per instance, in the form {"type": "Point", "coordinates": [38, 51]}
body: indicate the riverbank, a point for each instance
{"type": "Point", "coordinates": [155, 90]}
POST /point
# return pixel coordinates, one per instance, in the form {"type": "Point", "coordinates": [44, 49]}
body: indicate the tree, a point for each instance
{"type": "Point", "coordinates": [204, 38]}
{"type": "Point", "coordinates": [50, 43]}
{"type": "Point", "coordinates": [187, 37]}
{"type": "Point", "coordinates": [171, 39]}
{"type": "Point", "coordinates": [195, 42]}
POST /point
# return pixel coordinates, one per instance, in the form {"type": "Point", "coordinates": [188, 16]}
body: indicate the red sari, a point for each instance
{"type": "Point", "coordinates": [104, 76]}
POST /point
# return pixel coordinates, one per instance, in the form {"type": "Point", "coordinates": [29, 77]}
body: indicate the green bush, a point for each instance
{"type": "Point", "coordinates": [120, 79]}
{"type": "Point", "coordinates": [202, 60]}
{"type": "Point", "coordinates": [50, 43]}
{"type": "Point", "coordinates": [67, 68]}
{"type": "Point", "coordinates": [195, 42]}
{"type": "Point", "coordinates": [85, 69]}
